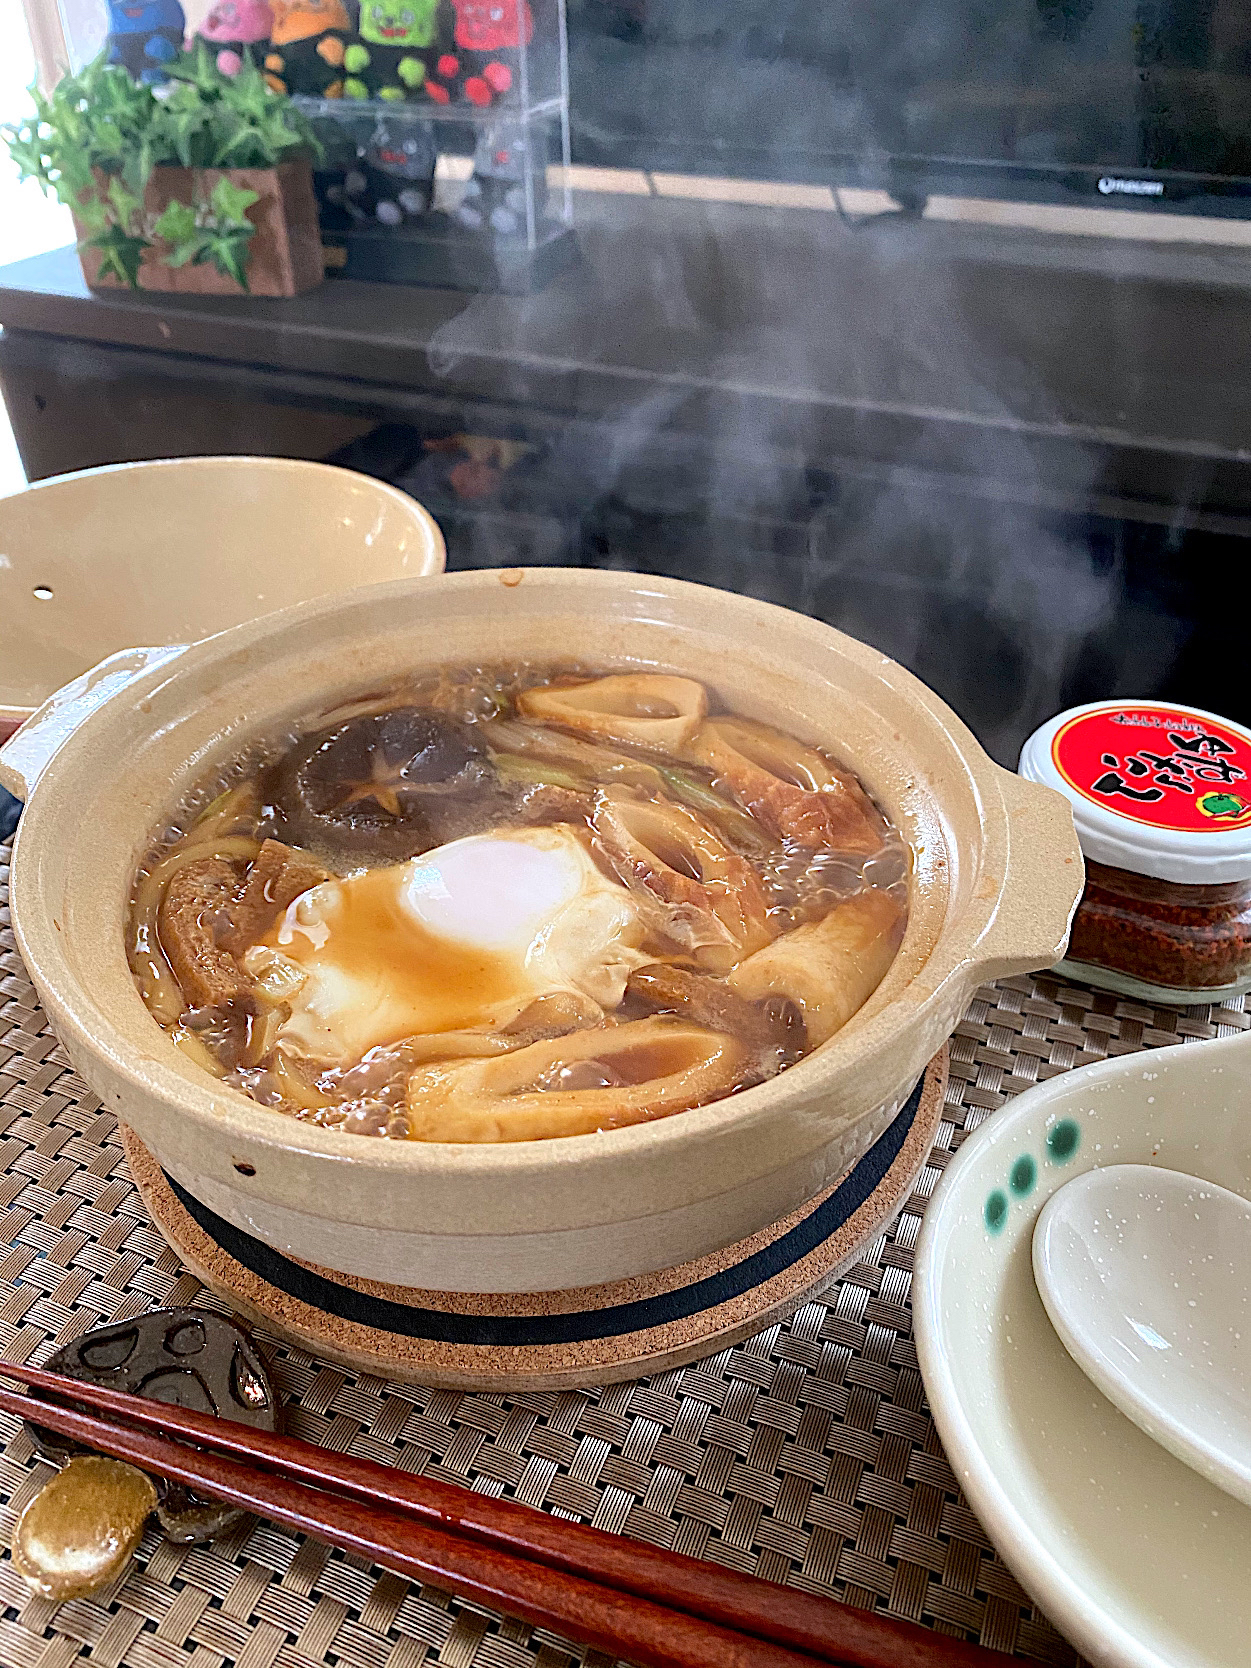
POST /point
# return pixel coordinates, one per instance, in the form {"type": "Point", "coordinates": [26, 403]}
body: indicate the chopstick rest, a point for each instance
{"type": "Point", "coordinates": [82, 1528]}
{"type": "Point", "coordinates": [182, 1357]}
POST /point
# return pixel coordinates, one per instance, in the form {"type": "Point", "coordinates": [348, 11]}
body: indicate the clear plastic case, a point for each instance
{"type": "Point", "coordinates": [441, 136]}
{"type": "Point", "coordinates": [408, 197]}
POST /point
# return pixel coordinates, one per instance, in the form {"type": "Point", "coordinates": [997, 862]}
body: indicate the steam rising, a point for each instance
{"type": "Point", "coordinates": [854, 422]}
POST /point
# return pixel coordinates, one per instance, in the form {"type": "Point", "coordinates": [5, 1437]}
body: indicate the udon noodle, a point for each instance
{"type": "Point", "coordinates": [505, 906]}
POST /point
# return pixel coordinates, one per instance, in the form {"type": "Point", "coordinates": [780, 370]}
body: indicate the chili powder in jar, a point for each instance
{"type": "Point", "coordinates": [1161, 798]}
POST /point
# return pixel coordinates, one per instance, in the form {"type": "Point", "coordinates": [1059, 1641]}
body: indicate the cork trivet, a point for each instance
{"type": "Point", "coordinates": [554, 1340]}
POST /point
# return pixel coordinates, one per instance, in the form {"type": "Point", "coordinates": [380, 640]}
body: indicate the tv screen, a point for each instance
{"type": "Point", "coordinates": [1141, 103]}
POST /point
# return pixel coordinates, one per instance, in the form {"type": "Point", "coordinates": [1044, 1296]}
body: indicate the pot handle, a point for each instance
{"type": "Point", "coordinates": [27, 753]}
{"type": "Point", "coordinates": [1042, 882]}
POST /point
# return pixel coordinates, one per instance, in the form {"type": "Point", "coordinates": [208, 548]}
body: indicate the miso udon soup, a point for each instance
{"type": "Point", "coordinates": [503, 906]}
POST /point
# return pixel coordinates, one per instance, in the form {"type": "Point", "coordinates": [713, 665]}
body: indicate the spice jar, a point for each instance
{"type": "Point", "coordinates": [1161, 798]}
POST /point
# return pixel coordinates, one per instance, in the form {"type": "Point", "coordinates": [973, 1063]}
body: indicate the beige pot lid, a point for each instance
{"type": "Point", "coordinates": [178, 549]}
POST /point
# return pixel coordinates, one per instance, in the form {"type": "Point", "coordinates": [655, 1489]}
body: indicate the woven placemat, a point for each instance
{"type": "Point", "coordinates": [805, 1455]}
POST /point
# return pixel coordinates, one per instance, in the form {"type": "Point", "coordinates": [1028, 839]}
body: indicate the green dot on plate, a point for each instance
{"type": "Point", "coordinates": [1023, 1175]}
{"type": "Point", "coordinates": [1062, 1141]}
{"type": "Point", "coordinates": [996, 1210]}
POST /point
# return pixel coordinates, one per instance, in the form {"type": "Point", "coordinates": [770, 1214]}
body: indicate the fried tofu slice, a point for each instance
{"type": "Point", "coordinates": [828, 968]}
{"type": "Point", "coordinates": [195, 901]}
{"type": "Point", "coordinates": [278, 876]}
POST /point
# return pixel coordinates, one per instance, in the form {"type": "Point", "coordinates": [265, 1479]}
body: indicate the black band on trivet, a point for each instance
{"type": "Point", "coordinates": [522, 1331]}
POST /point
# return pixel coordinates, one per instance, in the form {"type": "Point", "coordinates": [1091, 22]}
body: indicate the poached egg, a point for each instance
{"type": "Point", "coordinates": [464, 937]}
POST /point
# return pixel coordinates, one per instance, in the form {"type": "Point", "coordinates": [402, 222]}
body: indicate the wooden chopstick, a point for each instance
{"type": "Point", "coordinates": [611, 1621]}
{"type": "Point", "coordinates": [833, 1632]}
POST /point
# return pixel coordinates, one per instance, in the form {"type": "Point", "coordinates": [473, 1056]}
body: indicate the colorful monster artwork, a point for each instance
{"type": "Point", "coordinates": [145, 36]}
{"type": "Point", "coordinates": [306, 47]}
{"type": "Point", "coordinates": [237, 29]}
{"type": "Point", "coordinates": [506, 173]}
{"type": "Point", "coordinates": [388, 61]}
{"type": "Point", "coordinates": [487, 36]}
{"type": "Point", "coordinates": [393, 179]}
{"type": "Point", "coordinates": [493, 25]}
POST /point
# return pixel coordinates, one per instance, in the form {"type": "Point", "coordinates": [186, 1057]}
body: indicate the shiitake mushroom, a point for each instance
{"type": "Point", "coordinates": [382, 784]}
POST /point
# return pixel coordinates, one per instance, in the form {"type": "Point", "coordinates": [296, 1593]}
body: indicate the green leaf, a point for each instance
{"type": "Point", "coordinates": [176, 223]}
{"type": "Point", "coordinates": [198, 70]}
{"type": "Point", "coordinates": [191, 249]}
{"type": "Point", "coordinates": [250, 94]}
{"type": "Point", "coordinates": [120, 254]}
{"type": "Point", "coordinates": [93, 213]}
{"type": "Point", "coordinates": [75, 176]}
{"type": "Point", "coordinates": [241, 148]}
{"type": "Point", "coordinates": [185, 128]}
{"type": "Point", "coordinates": [229, 201]}
{"type": "Point", "coordinates": [142, 165]}
{"type": "Point", "coordinates": [228, 252]}
{"type": "Point", "coordinates": [124, 203]}
{"type": "Point", "coordinates": [27, 147]}
{"type": "Point", "coordinates": [137, 168]}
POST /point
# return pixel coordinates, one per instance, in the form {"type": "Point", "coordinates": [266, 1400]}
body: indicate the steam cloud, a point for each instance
{"type": "Point", "coordinates": [846, 421]}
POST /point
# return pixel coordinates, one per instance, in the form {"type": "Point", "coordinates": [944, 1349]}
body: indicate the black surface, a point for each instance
{"type": "Point", "coordinates": [1028, 99]}
{"type": "Point", "coordinates": [382, 255]}
{"type": "Point", "coordinates": [1041, 361]}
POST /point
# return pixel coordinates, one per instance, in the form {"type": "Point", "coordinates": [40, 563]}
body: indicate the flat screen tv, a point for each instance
{"type": "Point", "coordinates": [1132, 103]}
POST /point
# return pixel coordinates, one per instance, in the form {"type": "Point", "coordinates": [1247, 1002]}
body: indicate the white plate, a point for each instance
{"type": "Point", "coordinates": [1140, 1561]}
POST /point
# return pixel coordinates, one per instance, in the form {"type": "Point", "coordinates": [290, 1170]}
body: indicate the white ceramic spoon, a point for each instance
{"type": "Point", "coordinates": [1146, 1276]}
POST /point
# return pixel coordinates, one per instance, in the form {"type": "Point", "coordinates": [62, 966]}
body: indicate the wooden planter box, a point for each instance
{"type": "Point", "coordinates": [285, 254]}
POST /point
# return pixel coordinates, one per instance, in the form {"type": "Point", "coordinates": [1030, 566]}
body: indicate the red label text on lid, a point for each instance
{"type": "Point", "coordinates": [1158, 766]}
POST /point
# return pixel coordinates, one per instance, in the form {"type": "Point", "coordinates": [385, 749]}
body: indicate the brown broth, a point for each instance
{"type": "Point", "coordinates": [414, 962]}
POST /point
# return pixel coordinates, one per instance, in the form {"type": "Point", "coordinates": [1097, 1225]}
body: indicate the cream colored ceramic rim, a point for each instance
{"type": "Point", "coordinates": [229, 461]}
{"type": "Point", "coordinates": [1003, 923]}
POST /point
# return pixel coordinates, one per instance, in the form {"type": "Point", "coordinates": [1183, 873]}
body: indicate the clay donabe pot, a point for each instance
{"type": "Point", "coordinates": [284, 253]}
{"type": "Point", "coordinates": [997, 876]}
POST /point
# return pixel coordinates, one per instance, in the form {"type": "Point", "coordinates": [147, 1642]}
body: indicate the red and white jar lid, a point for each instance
{"type": "Point", "coordinates": [1158, 788]}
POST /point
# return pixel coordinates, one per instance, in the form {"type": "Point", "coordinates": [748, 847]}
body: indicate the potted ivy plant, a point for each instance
{"type": "Point", "coordinates": [202, 184]}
